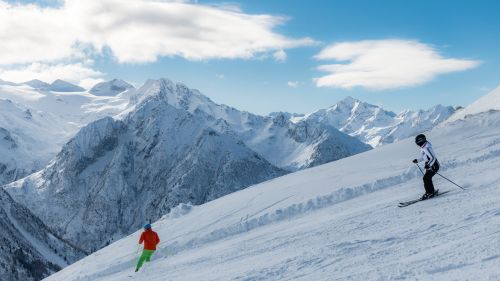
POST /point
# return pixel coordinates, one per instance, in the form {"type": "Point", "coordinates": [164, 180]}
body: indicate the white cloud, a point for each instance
{"type": "Point", "coordinates": [137, 31]}
{"type": "Point", "coordinates": [385, 64]}
{"type": "Point", "coordinates": [220, 76]}
{"type": "Point", "coordinates": [293, 84]}
{"type": "Point", "coordinates": [77, 73]}
{"type": "Point", "coordinates": [280, 55]}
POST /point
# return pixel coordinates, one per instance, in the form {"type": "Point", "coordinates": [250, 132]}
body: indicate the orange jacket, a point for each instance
{"type": "Point", "coordinates": [150, 239]}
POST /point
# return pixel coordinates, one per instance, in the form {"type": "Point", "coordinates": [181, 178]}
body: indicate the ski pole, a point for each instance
{"type": "Point", "coordinates": [441, 176]}
{"type": "Point", "coordinates": [450, 180]}
{"type": "Point", "coordinates": [419, 168]}
{"type": "Point", "coordinates": [137, 255]}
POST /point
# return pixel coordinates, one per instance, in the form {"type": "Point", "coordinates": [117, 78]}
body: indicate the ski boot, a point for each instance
{"type": "Point", "coordinates": [429, 195]}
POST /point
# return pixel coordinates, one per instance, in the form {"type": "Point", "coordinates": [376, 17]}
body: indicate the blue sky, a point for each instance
{"type": "Point", "coordinates": [466, 31]}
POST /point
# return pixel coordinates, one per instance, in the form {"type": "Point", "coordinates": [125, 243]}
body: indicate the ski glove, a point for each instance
{"type": "Point", "coordinates": [415, 161]}
{"type": "Point", "coordinates": [426, 166]}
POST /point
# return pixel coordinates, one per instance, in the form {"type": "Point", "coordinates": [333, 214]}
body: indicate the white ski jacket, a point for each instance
{"type": "Point", "coordinates": [428, 154]}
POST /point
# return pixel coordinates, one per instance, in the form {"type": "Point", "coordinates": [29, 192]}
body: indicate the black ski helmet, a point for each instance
{"type": "Point", "coordinates": [420, 139]}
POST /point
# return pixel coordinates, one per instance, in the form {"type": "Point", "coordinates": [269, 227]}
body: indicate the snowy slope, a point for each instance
{"type": "Point", "coordinates": [337, 221]}
{"type": "Point", "coordinates": [374, 125]}
{"type": "Point", "coordinates": [28, 139]}
{"type": "Point", "coordinates": [491, 101]}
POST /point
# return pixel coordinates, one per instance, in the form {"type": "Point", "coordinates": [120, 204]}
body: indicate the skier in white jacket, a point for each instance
{"type": "Point", "coordinates": [431, 164]}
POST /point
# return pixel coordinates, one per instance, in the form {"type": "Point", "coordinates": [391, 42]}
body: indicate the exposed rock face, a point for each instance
{"type": "Point", "coordinates": [28, 249]}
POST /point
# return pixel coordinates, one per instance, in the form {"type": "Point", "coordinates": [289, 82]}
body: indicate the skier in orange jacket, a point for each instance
{"type": "Point", "coordinates": [150, 239]}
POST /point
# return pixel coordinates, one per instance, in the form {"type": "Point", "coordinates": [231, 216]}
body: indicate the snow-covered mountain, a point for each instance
{"type": "Point", "coordinates": [63, 86]}
{"type": "Point", "coordinates": [3, 82]}
{"type": "Point", "coordinates": [110, 88]}
{"type": "Point", "coordinates": [374, 125]}
{"type": "Point", "coordinates": [172, 146]}
{"type": "Point", "coordinates": [114, 175]}
{"type": "Point", "coordinates": [59, 115]}
{"type": "Point", "coordinates": [28, 139]}
{"type": "Point", "coordinates": [337, 221]}
{"type": "Point", "coordinates": [37, 84]}
{"type": "Point", "coordinates": [56, 86]}
{"type": "Point", "coordinates": [79, 108]}
{"type": "Point", "coordinates": [288, 115]}
{"type": "Point", "coordinates": [29, 250]}
{"type": "Point", "coordinates": [34, 124]}
{"type": "Point", "coordinates": [285, 144]}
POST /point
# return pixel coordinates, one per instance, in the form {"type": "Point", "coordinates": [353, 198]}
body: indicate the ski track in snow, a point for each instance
{"type": "Point", "coordinates": [339, 221]}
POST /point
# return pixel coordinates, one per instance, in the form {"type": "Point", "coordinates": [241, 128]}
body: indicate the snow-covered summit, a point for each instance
{"type": "Point", "coordinates": [176, 94]}
{"type": "Point", "coordinates": [63, 86]}
{"type": "Point", "coordinates": [110, 88]}
{"type": "Point", "coordinates": [288, 115]}
{"type": "Point", "coordinates": [374, 125]}
{"type": "Point", "coordinates": [349, 115]}
{"type": "Point", "coordinates": [288, 145]}
{"type": "Point", "coordinates": [57, 86]}
{"type": "Point", "coordinates": [37, 84]}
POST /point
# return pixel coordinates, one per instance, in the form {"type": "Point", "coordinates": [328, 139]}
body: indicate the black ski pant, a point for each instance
{"type": "Point", "coordinates": [429, 173]}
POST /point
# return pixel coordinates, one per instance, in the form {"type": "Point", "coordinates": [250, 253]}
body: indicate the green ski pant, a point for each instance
{"type": "Point", "coordinates": [145, 257]}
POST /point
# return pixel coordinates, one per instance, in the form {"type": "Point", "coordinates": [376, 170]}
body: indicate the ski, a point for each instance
{"type": "Point", "coordinates": [411, 202]}
{"type": "Point", "coordinates": [408, 203]}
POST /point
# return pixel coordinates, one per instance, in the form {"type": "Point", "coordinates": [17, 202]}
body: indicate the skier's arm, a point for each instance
{"type": "Point", "coordinates": [420, 158]}
{"type": "Point", "coordinates": [157, 239]}
{"type": "Point", "coordinates": [429, 155]}
{"type": "Point", "coordinates": [142, 238]}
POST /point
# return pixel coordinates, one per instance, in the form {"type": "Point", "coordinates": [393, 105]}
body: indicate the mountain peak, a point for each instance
{"type": "Point", "coordinates": [64, 86]}
{"type": "Point", "coordinates": [8, 83]}
{"type": "Point", "coordinates": [110, 88]}
{"type": "Point", "coordinates": [37, 84]}
{"type": "Point", "coordinates": [175, 94]}
{"type": "Point", "coordinates": [349, 100]}
{"type": "Point", "coordinates": [57, 86]}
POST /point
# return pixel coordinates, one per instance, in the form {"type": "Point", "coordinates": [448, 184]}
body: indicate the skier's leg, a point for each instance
{"type": "Point", "coordinates": [146, 256]}
{"type": "Point", "coordinates": [149, 255]}
{"type": "Point", "coordinates": [140, 262]}
{"type": "Point", "coordinates": [429, 186]}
